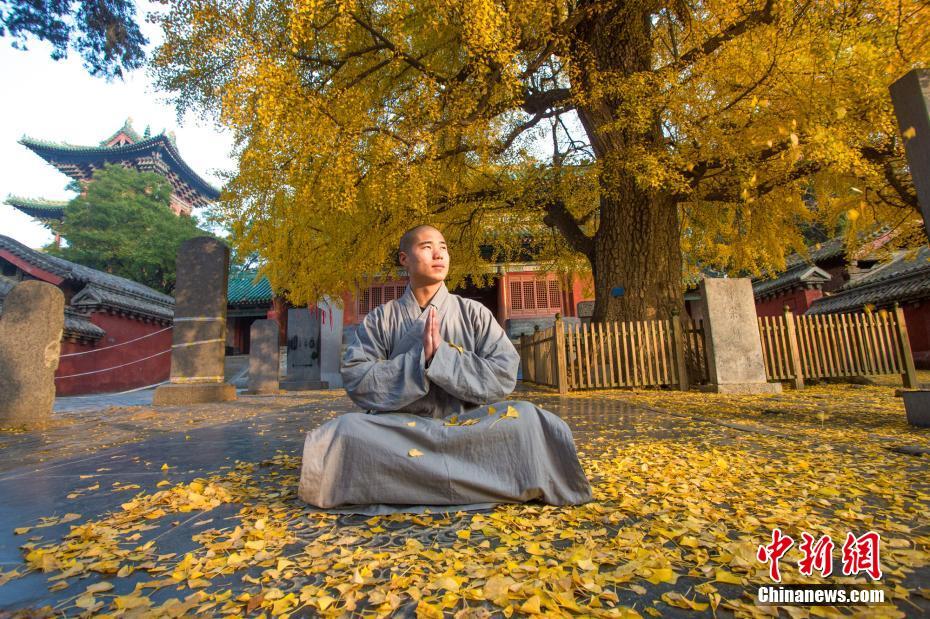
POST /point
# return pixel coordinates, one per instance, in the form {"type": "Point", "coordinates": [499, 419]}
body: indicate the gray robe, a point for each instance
{"type": "Point", "coordinates": [437, 435]}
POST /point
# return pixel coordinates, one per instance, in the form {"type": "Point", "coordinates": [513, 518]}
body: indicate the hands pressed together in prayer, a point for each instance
{"type": "Point", "coordinates": [431, 337]}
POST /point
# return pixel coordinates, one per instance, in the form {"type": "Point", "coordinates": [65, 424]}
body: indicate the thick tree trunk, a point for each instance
{"type": "Point", "coordinates": [637, 245]}
{"type": "Point", "coordinates": [637, 257]}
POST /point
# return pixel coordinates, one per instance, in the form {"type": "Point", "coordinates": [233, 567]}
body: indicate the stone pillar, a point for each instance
{"type": "Point", "coordinates": [303, 350]}
{"type": "Point", "coordinates": [910, 96]}
{"type": "Point", "coordinates": [731, 335]}
{"type": "Point", "coordinates": [30, 342]}
{"type": "Point", "coordinates": [199, 335]}
{"type": "Point", "coordinates": [264, 358]}
{"type": "Point", "coordinates": [330, 343]}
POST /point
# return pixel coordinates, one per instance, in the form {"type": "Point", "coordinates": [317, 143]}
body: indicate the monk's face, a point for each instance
{"type": "Point", "coordinates": [428, 259]}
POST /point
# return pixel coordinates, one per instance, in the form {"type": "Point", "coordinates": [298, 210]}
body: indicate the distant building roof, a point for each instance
{"type": "Point", "coordinates": [801, 274]}
{"type": "Point", "coordinates": [45, 210]}
{"type": "Point", "coordinates": [157, 153]}
{"type": "Point", "coordinates": [900, 281]}
{"type": "Point", "coordinates": [245, 289]}
{"type": "Point", "coordinates": [96, 287]}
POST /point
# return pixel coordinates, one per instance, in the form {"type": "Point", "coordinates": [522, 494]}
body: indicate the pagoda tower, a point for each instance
{"type": "Point", "coordinates": [146, 153]}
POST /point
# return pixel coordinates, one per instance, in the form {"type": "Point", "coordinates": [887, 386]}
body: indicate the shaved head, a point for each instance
{"type": "Point", "coordinates": [406, 241]}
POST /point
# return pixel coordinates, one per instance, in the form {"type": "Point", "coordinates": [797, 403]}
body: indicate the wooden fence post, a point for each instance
{"type": "Point", "coordinates": [524, 359]}
{"type": "Point", "coordinates": [679, 340]}
{"type": "Point", "coordinates": [904, 346]}
{"type": "Point", "coordinates": [793, 352]}
{"type": "Point", "coordinates": [559, 358]}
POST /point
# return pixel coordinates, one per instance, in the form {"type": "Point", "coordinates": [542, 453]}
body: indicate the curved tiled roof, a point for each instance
{"type": "Point", "coordinates": [38, 207]}
{"type": "Point", "coordinates": [113, 154]}
{"type": "Point", "coordinates": [124, 293]}
{"type": "Point", "coordinates": [245, 289]}
{"type": "Point", "coordinates": [78, 325]}
{"type": "Point", "coordinates": [899, 281]}
{"type": "Point", "coordinates": [800, 273]}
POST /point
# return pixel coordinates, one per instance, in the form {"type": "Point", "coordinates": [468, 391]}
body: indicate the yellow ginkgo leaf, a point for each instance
{"type": "Point", "coordinates": [412, 424]}
{"type": "Point", "coordinates": [414, 453]}
{"type": "Point", "coordinates": [531, 606]}
{"type": "Point", "coordinates": [909, 133]}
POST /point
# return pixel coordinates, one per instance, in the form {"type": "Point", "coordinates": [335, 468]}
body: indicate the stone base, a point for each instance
{"type": "Point", "coordinates": [917, 407]}
{"type": "Point", "coordinates": [332, 380]}
{"type": "Point", "coordinates": [174, 394]}
{"type": "Point", "coordinates": [745, 388]}
{"type": "Point", "coordinates": [303, 385]}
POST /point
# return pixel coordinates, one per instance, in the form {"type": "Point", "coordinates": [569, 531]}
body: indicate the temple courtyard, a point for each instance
{"type": "Point", "coordinates": [121, 509]}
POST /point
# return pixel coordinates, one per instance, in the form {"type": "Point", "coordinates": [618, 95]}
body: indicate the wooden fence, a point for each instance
{"type": "Point", "coordinates": [672, 353]}
{"type": "Point", "coordinates": [539, 361]}
{"type": "Point", "coordinates": [641, 353]}
{"type": "Point", "coordinates": [796, 348]}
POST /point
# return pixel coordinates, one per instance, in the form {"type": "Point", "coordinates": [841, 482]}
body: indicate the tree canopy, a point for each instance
{"type": "Point", "coordinates": [618, 135]}
{"type": "Point", "coordinates": [103, 32]}
{"type": "Point", "coordinates": [123, 224]}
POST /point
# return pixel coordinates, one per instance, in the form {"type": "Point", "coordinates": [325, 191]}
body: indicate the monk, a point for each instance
{"type": "Point", "coordinates": [432, 370]}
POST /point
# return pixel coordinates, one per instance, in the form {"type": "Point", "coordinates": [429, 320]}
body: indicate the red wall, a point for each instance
{"type": "Point", "coordinates": [580, 284]}
{"type": "Point", "coordinates": [118, 329]}
{"type": "Point", "coordinates": [917, 319]}
{"type": "Point", "coordinates": [799, 300]}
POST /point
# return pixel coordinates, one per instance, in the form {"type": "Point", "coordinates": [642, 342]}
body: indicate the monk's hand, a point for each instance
{"type": "Point", "coordinates": [429, 344]}
{"type": "Point", "coordinates": [437, 339]}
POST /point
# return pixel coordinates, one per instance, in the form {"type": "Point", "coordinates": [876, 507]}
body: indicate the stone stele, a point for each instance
{"type": "Point", "coordinates": [303, 350]}
{"type": "Point", "coordinates": [331, 343]}
{"type": "Point", "coordinates": [199, 335]}
{"type": "Point", "coordinates": [30, 343]}
{"type": "Point", "coordinates": [731, 332]}
{"type": "Point", "coordinates": [264, 358]}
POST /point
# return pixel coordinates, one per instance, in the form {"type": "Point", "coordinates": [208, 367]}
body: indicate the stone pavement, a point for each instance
{"type": "Point", "coordinates": [256, 455]}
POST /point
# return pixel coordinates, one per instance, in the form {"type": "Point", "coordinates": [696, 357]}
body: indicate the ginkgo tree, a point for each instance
{"type": "Point", "coordinates": [615, 136]}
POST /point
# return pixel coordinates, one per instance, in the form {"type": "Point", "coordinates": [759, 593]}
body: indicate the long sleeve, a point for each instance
{"type": "Point", "coordinates": [483, 376]}
{"type": "Point", "coordinates": [375, 382]}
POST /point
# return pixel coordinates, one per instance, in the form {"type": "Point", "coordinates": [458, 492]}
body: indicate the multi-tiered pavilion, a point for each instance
{"type": "Point", "coordinates": [146, 152]}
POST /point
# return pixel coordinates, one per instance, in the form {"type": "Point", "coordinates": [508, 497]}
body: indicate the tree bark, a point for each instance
{"type": "Point", "coordinates": [637, 245]}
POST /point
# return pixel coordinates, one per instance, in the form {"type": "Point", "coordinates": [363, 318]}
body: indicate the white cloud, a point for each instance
{"type": "Point", "coordinates": [59, 101]}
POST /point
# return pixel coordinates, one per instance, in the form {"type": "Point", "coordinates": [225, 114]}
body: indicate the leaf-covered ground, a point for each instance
{"type": "Point", "coordinates": [684, 495]}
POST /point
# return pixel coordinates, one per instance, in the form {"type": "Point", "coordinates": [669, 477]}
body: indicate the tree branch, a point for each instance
{"type": "Point", "coordinates": [538, 101]}
{"type": "Point", "coordinates": [765, 15]}
{"type": "Point", "coordinates": [885, 159]}
{"type": "Point", "coordinates": [729, 195]}
{"type": "Point", "coordinates": [558, 216]}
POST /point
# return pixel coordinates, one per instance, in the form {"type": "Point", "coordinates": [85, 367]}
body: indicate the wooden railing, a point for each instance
{"type": "Point", "coordinates": [672, 353]}
{"type": "Point", "coordinates": [538, 358]}
{"type": "Point", "coordinates": [642, 353]}
{"type": "Point", "coordinates": [695, 352]}
{"type": "Point", "coordinates": [796, 348]}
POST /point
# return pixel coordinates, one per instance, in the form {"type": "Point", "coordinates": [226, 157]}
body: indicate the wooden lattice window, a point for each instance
{"type": "Point", "coordinates": [516, 298]}
{"type": "Point", "coordinates": [371, 297]}
{"type": "Point", "coordinates": [534, 295]}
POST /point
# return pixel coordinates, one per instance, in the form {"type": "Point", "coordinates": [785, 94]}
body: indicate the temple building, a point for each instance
{"type": "Point", "coordinates": [146, 153]}
{"type": "Point", "coordinates": [117, 332]}
{"type": "Point", "coordinates": [522, 297]}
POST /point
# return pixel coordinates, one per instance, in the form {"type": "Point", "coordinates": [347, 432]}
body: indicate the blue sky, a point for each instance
{"type": "Point", "coordinates": [59, 101]}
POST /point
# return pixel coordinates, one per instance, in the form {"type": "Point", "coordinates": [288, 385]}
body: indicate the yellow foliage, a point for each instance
{"type": "Point", "coordinates": [356, 119]}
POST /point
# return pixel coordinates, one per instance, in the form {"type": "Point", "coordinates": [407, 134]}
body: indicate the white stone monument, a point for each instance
{"type": "Point", "coordinates": [731, 334]}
